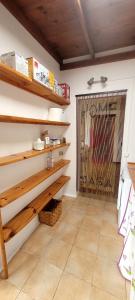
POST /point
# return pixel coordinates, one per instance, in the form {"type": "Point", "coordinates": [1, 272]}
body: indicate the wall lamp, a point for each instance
{"type": "Point", "coordinates": [102, 80]}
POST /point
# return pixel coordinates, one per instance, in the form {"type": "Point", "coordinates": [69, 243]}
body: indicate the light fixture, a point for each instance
{"type": "Point", "coordinates": [102, 80]}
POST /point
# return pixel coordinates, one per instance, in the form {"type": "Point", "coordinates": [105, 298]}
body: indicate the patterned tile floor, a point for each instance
{"type": "Point", "coordinates": [74, 260]}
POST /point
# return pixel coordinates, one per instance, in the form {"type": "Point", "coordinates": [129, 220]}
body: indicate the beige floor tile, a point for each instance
{"type": "Point", "coordinates": [69, 199]}
{"type": "Point", "coordinates": [91, 223]}
{"type": "Point", "coordinates": [65, 209]}
{"type": "Point", "coordinates": [43, 282]}
{"type": "Point", "coordinates": [94, 211]}
{"type": "Point", "coordinates": [128, 287]}
{"type": "Point", "coordinates": [87, 240]}
{"type": "Point", "coordinates": [81, 264]}
{"type": "Point", "coordinates": [43, 229]}
{"type": "Point", "coordinates": [39, 265]}
{"type": "Point", "coordinates": [81, 203]}
{"type": "Point", "coordinates": [82, 199]}
{"type": "Point", "coordinates": [67, 203]}
{"type": "Point", "coordinates": [97, 294]}
{"type": "Point", "coordinates": [38, 241]}
{"type": "Point", "coordinates": [72, 288]}
{"type": "Point", "coordinates": [73, 217]}
{"type": "Point", "coordinates": [57, 253]}
{"type": "Point", "coordinates": [23, 296]}
{"type": "Point", "coordinates": [8, 291]}
{"type": "Point", "coordinates": [111, 207]}
{"type": "Point", "coordinates": [110, 217]}
{"type": "Point", "coordinates": [97, 203]}
{"type": "Point", "coordinates": [66, 232]}
{"type": "Point", "coordinates": [107, 228]}
{"type": "Point", "coordinates": [107, 277]}
{"type": "Point", "coordinates": [80, 209]}
{"type": "Point", "coordinates": [110, 248]}
{"type": "Point", "coordinates": [21, 267]}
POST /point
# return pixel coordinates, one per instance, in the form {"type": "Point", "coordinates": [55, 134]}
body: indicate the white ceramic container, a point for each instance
{"type": "Point", "coordinates": [38, 145]}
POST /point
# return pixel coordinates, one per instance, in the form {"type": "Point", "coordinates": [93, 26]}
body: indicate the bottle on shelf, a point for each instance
{"type": "Point", "coordinates": [50, 161]}
{"type": "Point", "coordinates": [45, 137]}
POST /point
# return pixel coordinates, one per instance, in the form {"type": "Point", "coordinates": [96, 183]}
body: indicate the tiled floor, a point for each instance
{"type": "Point", "coordinates": [74, 260]}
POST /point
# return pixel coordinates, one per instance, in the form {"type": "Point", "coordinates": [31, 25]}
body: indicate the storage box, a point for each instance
{"type": "Point", "coordinates": [57, 89]}
{"type": "Point", "coordinates": [51, 80]}
{"type": "Point", "coordinates": [56, 86]}
{"type": "Point", "coordinates": [15, 61]}
{"type": "Point", "coordinates": [60, 91]}
{"type": "Point", "coordinates": [38, 72]}
{"type": "Point", "coordinates": [51, 212]}
{"type": "Point", "coordinates": [56, 114]}
{"type": "Point", "coordinates": [66, 90]}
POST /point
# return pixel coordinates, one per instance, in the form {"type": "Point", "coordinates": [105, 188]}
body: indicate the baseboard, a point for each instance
{"type": "Point", "coordinates": [70, 195]}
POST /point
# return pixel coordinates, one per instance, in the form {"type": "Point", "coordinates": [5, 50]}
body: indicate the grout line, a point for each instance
{"type": "Point", "coordinates": [18, 295]}
{"type": "Point", "coordinates": [126, 281]}
{"type": "Point", "coordinates": [30, 274]}
{"type": "Point", "coordinates": [65, 264]}
{"type": "Point", "coordinates": [92, 285]}
{"type": "Point", "coordinates": [62, 274]}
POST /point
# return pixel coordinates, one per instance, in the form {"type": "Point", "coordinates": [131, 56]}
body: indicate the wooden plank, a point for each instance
{"type": "Point", "coordinates": [84, 27]}
{"type": "Point", "coordinates": [43, 19]}
{"type": "Point", "coordinates": [99, 60]}
{"type": "Point", "coordinates": [3, 252]}
{"type": "Point", "coordinates": [18, 223]}
{"type": "Point", "coordinates": [38, 203]}
{"type": "Point", "coordinates": [28, 184]}
{"type": "Point", "coordinates": [13, 158]}
{"type": "Point", "coordinates": [14, 119]}
{"type": "Point", "coordinates": [29, 212]}
{"type": "Point", "coordinates": [7, 233]}
{"type": "Point", "coordinates": [19, 80]}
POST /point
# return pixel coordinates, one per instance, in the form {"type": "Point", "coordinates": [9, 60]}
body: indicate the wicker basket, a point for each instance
{"type": "Point", "coordinates": [51, 212]}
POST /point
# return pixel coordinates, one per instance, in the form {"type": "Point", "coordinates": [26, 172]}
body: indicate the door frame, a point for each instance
{"type": "Point", "coordinates": [100, 94]}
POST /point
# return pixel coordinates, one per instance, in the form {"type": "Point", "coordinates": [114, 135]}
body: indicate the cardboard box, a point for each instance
{"type": "Point", "coordinates": [56, 86]}
{"type": "Point", "coordinates": [66, 90]}
{"type": "Point", "coordinates": [38, 72]}
{"type": "Point", "coordinates": [51, 80]}
{"type": "Point", "coordinates": [57, 89]}
{"type": "Point", "coordinates": [15, 61]}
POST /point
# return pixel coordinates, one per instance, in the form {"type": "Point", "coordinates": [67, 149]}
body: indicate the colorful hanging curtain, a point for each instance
{"type": "Point", "coordinates": [100, 133]}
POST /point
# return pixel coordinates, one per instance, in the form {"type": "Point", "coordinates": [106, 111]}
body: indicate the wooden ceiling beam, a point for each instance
{"type": "Point", "coordinates": [17, 12]}
{"type": "Point", "coordinates": [99, 60]}
{"type": "Point", "coordinates": [82, 20]}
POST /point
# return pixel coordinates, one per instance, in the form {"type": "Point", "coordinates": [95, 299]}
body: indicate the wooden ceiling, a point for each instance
{"type": "Point", "coordinates": [70, 29]}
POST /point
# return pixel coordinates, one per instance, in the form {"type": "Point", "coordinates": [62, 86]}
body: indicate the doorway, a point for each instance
{"type": "Point", "coordinates": [100, 124]}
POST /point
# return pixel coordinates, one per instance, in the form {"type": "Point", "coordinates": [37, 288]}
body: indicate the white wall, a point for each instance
{"type": "Point", "coordinates": [18, 137]}
{"type": "Point", "coordinates": [121, 75]}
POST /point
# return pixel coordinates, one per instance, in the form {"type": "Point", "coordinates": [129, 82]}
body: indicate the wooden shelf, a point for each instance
{"type": "Point", "coordinates": [18, 223]}
{"type": "Point", "coordinates": [38, 203]}
{"type": "Point", "coordinates": [14, 119]}
{"type": "Point", "coordinates": [21, 81]}
{"type": "Point", "coordinates": [9, 230]}
{"type": "Point", "coordinates": [10, 159]}
{"type": "Point", "coordinates": [28, 184]}
{"type": "Point", "coordinates": [29, 212]}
